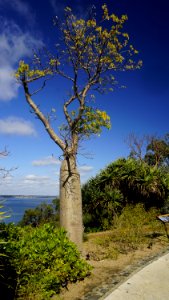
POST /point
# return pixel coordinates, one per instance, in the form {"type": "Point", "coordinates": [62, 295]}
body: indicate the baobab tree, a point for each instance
{"type": "Point", "coordinates": [89, 55]}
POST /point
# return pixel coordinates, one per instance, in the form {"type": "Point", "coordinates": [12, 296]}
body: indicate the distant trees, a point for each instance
{"type": "Point", "coordinates": [157, 153]}
{"type": "Point", "coordinates": [137, 145]}
{"type": "Point", "coordinates": [149, 148]}
{"type": "Point", "coordinates": [43, 213]}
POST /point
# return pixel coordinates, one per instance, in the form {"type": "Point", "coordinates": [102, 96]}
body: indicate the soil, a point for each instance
{"type": "Point", "coordinates": [110, 272]}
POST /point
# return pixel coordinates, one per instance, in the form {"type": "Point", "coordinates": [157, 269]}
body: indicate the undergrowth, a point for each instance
{"type": "Point", "coordinates": [42, 261]}
{"type": "Point", "coordinates": [39, 262]}
{"type": "Point", "coordinates": [134, 228]}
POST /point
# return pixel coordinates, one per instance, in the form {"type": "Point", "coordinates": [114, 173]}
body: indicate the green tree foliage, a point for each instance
{"type": "Point", "coordinates": [42, 214]}
{"type": "Point", "coordinates": [125, 181]}
{"type": "Point", "coordinates": [41, 260]}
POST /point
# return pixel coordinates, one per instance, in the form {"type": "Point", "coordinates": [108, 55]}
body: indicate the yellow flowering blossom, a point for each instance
{"type": "Point", "coordinates": [92, 121]}
{"type": "Point", "coordinates": [25, 72]}
{"type": "Point", "coordinates": [105, 12]}
{"type": "Point", "coordinates": [91, 23]}
{"type": "Point", "coordinates": [54, 62]}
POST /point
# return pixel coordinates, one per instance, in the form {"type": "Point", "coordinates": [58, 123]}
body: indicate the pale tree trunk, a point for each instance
{"type": "Point", "coordinates": [70, 189]}
{"type": "Point", "coordinates": [71, 201]}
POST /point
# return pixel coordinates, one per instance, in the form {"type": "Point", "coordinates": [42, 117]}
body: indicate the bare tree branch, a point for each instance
{"type": "Point", "coordinates": [3, 171]}
{"type": "Point", "coordinates": [44, 120]}
{"type": "Point", "coordinates": [42, 87]}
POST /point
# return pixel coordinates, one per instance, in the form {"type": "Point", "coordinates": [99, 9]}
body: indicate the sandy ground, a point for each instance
{"type": "Point", "coordinates": [106, 269]}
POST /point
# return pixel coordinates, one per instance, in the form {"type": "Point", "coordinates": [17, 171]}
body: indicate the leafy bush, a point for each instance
{"type": "Point", "coordinates": [137, 181]}
{"type": "Point", "coordinates": [43, 259]}
{"type": "Point", "coordinates": [100, 204]}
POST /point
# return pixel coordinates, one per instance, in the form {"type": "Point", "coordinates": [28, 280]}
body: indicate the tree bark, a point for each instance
{"type": "Point", "coordinates": [71, 201]}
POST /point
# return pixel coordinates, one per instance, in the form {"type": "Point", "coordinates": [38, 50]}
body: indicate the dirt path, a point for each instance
{"type": "Point", "coordinates": [109, 272]}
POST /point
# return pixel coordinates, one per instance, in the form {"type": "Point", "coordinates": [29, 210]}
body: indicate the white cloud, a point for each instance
{"type": "Point", "coordinates": [84, 170]}
{"type": "Point", "coordinates": [14, 45]}
{"type": "Point", "coordinates": [39, 184]}
{"type": "Point", "coordinates": [46, 161]}
{"type": "Point", "coordinates": [7, 180]}
{"type": "Point", "coordinates": [31, 184]}
{"type": "Point", "coordinates": [35, 178]}
{"type": "Point", "coordinates": [8, 86]}
{"type": "Point", "coordinates": [16, 126]}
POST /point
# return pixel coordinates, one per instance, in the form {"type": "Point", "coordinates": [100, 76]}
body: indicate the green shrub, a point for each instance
{"type": "Point", "coordinates": [44, 261]}
{"type": "Point", "coordinates": [130, 226]}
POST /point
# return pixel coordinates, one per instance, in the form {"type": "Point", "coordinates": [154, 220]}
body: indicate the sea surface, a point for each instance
{"type": "Point", "coordinates": [15, 206]}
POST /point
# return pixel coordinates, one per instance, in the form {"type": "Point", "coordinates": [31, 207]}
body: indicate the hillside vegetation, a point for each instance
{"type": "Point", "coordinates": [140, 178]}
{"type": "Point", "coordinates": [120, 206]}
{"type": "Point", "coordinates": [123, 182]}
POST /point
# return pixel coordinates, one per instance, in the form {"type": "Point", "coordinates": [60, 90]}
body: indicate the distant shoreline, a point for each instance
{"type": "Point", "coordinates": [26, 196]}
{"type": "Point", "coordinates": [15, 206]}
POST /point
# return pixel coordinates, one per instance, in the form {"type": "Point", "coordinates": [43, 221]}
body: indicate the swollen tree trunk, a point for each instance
{"type": "Point", "coordinates": [71, 201]}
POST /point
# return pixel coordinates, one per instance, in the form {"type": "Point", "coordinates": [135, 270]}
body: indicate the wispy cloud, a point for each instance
{"type": "Point", "coordinates": [16, 126]}
{"type": "Point", "coordinates": [41, 183]}
{"type": "Point", "coordinates": [35, 178]}
{"type": "Point", "coordinates": [31, 184]}
{"type": "Point", "coordinates": [59, 6]}
{"type": "Point", "coordinates": [19, 6]}
{"type": "Point", "coordinates": [84, 170]}
{"type": "Point", "coordinates": [46, 161]}
{"type": "Point", "coordinates": [14, 45]}
{"type": "Point", "coordinates": [7, 180]}
{"type": "Point", "coordinates": [8, 85]}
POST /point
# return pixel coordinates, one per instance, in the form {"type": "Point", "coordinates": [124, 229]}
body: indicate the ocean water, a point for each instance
{"type": "Point", "coordinates": [16, 206]}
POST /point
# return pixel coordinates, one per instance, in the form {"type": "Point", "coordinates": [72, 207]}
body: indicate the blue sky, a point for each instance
{"type": "Point", "coordinates": [141, 108]}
